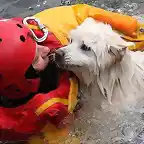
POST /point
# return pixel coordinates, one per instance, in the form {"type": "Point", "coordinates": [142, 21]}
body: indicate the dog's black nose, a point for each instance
{"type": "Point", "coordinates": [59, 54]}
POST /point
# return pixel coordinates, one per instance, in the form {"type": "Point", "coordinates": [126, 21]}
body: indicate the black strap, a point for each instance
{"type": "Point", "coordinates": [49, 81]}
{"type": "Point", "coordinates": [12, 103]}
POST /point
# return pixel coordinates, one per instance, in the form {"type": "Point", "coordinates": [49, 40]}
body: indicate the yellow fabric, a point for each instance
{"type": "Point", "coordinates": [139, 46]}
{"type": "Point", "coordinates": [140, 35]}
{"type": "Point", "coordinates": [33, 27]}
{"type": "Point", "coordinates": [123, 23]}
{"type": "Point", "coordinates": [139, 41]}
{"type": "Point", "coordinates": [59, 136]}
{"type": "Point", "coordinates": [61, 20]}
{"type": "Point", "coordinates": [49, 103]}
{"type": "Point", "coordinates": [71, 101]}
{"type": "Point", "coordinates": [53, 135]}
{"type": "Point", "coordinates": [72, 98]}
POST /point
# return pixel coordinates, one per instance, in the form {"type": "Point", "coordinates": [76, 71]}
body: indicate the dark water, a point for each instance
{"type": "Point", "coordinates": [11, 8]}
{"type": "Point", "coordinates": [130, 7]}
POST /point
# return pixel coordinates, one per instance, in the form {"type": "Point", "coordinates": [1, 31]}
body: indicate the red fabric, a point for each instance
{"type": "Point", "coordinates": [58, 111]}
{"type": "Point", "coordinates": [18, 123]}
{"type": "Point", "coordinates": [51, 42]}
{"type": "Point", "coordinates": [23, 121]}
{"type": "Point", "coordinates": [16, 51]}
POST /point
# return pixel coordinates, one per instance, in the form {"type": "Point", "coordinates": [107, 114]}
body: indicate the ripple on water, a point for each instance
{"type": "Point", "coordinates": [122, 6]}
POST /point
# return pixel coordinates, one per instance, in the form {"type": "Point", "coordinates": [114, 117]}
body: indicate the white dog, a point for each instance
{"type": "Point", "coordinates": [111, 81]}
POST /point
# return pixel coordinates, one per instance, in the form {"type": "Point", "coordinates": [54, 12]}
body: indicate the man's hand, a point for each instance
{"type": "Point", "coordinates": [41, 59]}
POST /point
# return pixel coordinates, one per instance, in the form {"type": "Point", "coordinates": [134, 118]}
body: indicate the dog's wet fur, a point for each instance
{"type": "Point", "coordinates": [111, 83]}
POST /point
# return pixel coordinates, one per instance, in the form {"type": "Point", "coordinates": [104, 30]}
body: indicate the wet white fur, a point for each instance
{"type": "Point", "coordinates": [105, 85]}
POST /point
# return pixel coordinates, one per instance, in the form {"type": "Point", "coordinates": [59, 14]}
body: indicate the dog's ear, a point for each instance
{"type": "Point", "coordinates": [118, 49]}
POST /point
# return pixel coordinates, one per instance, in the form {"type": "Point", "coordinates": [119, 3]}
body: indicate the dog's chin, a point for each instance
{"type": "Point", "coordinates": [75, 69]}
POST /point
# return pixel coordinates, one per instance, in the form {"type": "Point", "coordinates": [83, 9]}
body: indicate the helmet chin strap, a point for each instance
{"type": "Point", "coordinates": [41, 27]}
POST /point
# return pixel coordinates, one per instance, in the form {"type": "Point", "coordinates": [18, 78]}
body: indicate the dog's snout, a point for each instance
{"type": "Point", "coordinates": [59, 54]}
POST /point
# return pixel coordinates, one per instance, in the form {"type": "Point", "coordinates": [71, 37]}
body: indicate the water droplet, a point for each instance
{"type": "Point", "coordinates": [111, 9]}
{"type": "Point", "coordinates": [142, 115]}
{"type": "Point", "coordinates": [129, 132]}
{"type": "Point", "coordinates": [38, 5]}
{"type": "Point", "coordinates": [30, 8]}
{"type": "Point", "coordinates": [120, 10]}
{"type": "Point", "coordinates": [118, 140]}
{"type": "Point", "coordinates": [44, 2]}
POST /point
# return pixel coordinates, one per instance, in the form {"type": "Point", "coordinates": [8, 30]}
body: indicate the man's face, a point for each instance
{"type": "Point", "coordinates": [41, 59]}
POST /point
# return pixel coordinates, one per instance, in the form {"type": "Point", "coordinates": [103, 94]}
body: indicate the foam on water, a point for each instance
{"type": "Point", "coordinates": [104, 127]}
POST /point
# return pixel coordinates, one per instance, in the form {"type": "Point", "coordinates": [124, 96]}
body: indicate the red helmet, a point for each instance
{"type": "Point", "coordinates": [17, 51]}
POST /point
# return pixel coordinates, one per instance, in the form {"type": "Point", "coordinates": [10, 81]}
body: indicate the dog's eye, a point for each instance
{"type": "Point", "coordinates": [70, 41]}
{"type": "Point", "coordinates": [85, 48]}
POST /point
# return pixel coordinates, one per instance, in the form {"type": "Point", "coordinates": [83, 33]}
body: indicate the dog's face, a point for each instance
{"type": "Point", "coordinates": [94, 46]}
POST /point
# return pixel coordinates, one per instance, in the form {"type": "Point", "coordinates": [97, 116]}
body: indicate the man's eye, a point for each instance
{"type": "Point", "coordinates": [85, 48]}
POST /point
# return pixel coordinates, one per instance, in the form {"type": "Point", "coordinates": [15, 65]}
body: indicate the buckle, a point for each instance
{"type": "Point", "coordinates": [41, 27]}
